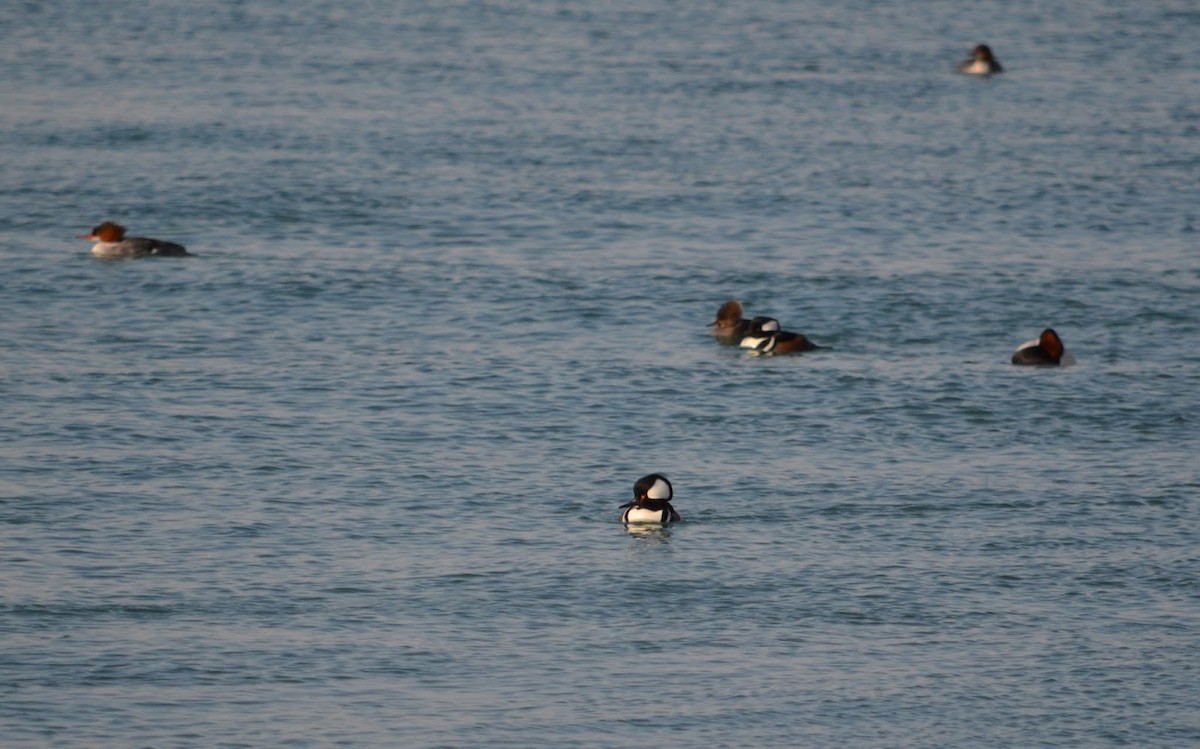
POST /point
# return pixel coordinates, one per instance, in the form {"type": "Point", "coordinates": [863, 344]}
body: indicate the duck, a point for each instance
{"type": "Point", "coordinates": [1046, 350]}
{"type": "Point", "coordinates": [651, 502]}
{"type": "Point", "coordinates": [111, 242]}
{"type": "Point", "coordinates": [766, 338]}
{"type": "Point", "coordinates": [730, 327]}
{"type": "Point", "coordinates": [981, 62]}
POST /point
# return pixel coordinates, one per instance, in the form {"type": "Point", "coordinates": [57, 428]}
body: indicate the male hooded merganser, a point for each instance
{"type": "Point", "coordinates": [765, 337]}
{"type": "Point", "coordinates": [730, 327]}
{"type": "Point", "coordinates": [981, 62]}
{"type": "Point", "coordinates": [1045, 350]}
{"type": "Point", "coordinates": [651, 502]}
{"type": "Point", "coordinates": [111, 243]}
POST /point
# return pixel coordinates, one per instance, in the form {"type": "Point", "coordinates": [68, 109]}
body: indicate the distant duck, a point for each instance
{"type": "Point", "coordinates": [766, 338]}
{"type": "Point", "coordinates": [1046, 350]}
{"type": "Point", "coordinates": [981, 62]}
{"type": "Point", "coordinates": [730, 327]}
{"type": "Point", "coordinates": [651, 502]}
{"type": "Point", "coordinates": [111, 243]}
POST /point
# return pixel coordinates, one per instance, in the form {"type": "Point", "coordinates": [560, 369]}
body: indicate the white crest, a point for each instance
{"type": "Point", "coordinates": [771, 326]}
{"type": "Point", "coordinates": [659, 490]}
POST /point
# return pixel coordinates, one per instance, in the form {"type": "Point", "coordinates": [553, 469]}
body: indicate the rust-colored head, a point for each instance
{"type": "Point", "coordinates": [1051, 344]}
{"type": "Point", "coordinates": [729, 315]}
{"type": "Point", "coordinates": [106, 232]}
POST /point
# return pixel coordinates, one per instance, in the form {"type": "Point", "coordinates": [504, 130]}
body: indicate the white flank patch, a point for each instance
{"type": "Point", "coordinates": [660, 490]}
{"type": "Point", "coordinates": [1029, 344]}
{"type": "Point", "coordinates": [749, 342]}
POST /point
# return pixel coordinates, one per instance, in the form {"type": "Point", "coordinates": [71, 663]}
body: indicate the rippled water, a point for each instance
{"type": "Point", "coordinates": [350, 475]}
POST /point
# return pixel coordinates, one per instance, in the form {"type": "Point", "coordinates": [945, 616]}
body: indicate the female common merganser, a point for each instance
{"type": "Point", "coordinates": [981, 62]}
{"type": "Point", "coordinates": [111, 243]}
{"type": "Point", "coordinates": [766, 338]}
{"type": "Point", "coordinates": [651, 502]}
{"type": "Point", "coordinates": [1046, 350]}
{"type": "Point", "coordinates": [730, 327]}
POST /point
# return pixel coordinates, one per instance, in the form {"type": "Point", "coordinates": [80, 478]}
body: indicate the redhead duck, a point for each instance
{"type": "Point", "coordinates": [1046, 350]}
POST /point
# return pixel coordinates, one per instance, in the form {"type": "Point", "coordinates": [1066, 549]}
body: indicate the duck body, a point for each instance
{"type": "Point", "coordinates": [767, 339]}
{"type": "Point", "coordinates": [785, 342]}
{"type": "Point", "coordinates": [981, 62]}
{"type": "Point", "coordinates": [651, 503]}
{"type": "Point", "coordinates": [111, 243]}
{"type": "Point", "coordinates": [1047, 350]}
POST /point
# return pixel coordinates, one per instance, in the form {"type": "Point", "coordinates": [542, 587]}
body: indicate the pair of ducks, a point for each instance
{"type": "Point", "coordinates": [762, 335]}
{"type": "Point", "coordinates": [652, 494]}
{"type": "Point", "coordinates": [111, 242]}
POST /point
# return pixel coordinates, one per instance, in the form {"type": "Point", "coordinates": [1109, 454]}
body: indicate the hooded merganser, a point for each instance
{"type": "Point", "coordinates": [765, 337]}
{"type": "Point", "coordinates": [1045, 350]}
{"type": "Point", "coordinates": [651, 502]}
{"type": "Point", "coordinates": [981, 62]}
{"type": "Point", "coordinates": [111, 243]}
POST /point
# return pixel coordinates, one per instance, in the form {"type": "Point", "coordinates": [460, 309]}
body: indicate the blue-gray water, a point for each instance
{"type": "Point", "coordinates": [350, 475]}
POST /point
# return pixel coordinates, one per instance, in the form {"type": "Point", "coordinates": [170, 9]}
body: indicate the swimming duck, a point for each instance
{"type": "Point", "coordinates": [981, 62]}
{"type": "Point", "coordinates": [1046, 350]}
{"type": "Point", "coordinates": [111, 243]}
{"type": "Point", "coordinates": [766, 338]}
{"type": "Point", "coordinates": [651, 501]}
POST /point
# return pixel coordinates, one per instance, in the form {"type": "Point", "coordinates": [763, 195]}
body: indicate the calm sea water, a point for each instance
{"type": "Point", "coordinates": [349, 476]}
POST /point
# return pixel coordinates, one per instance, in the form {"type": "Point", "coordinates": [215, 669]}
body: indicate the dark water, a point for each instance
{"type": "Point", "coordinates": [350, 475]}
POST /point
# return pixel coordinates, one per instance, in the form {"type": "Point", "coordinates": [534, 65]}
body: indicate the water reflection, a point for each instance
{"type": "Point", "coordinates": [653, 532]}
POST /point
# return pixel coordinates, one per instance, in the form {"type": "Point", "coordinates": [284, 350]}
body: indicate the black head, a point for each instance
{"type": "Point", "coordinates": [654, 486]}
{"type": "Point", "coordinates": [763, 326]}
